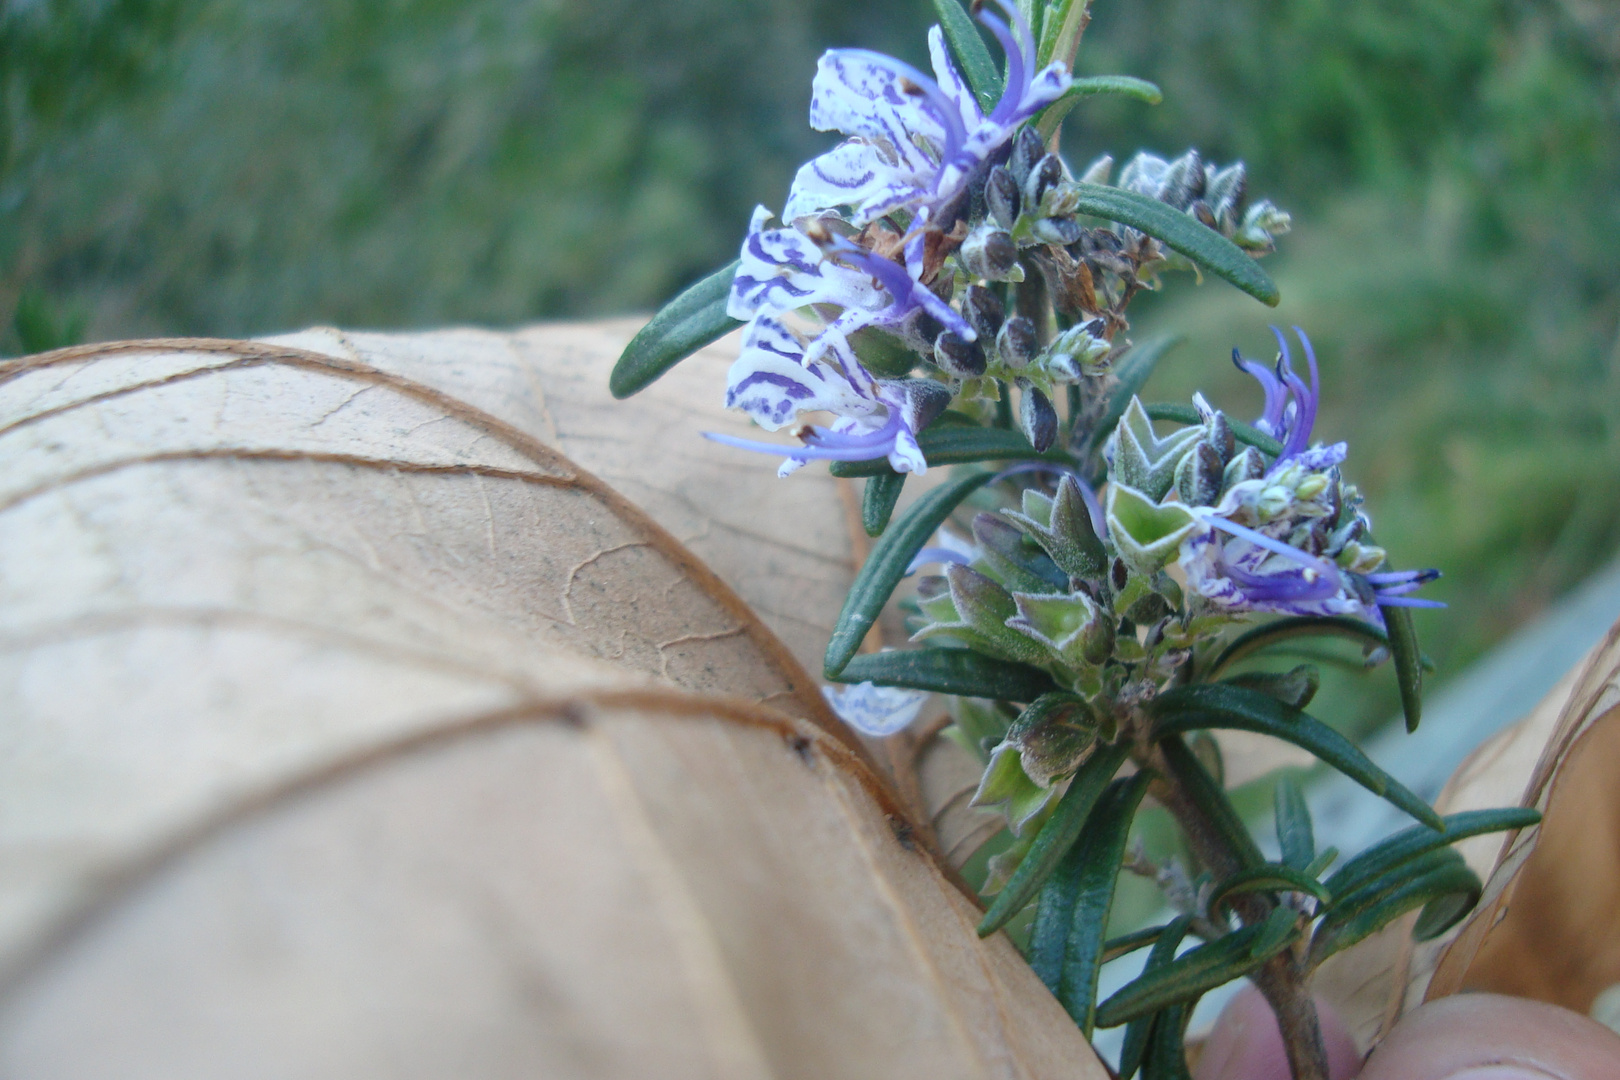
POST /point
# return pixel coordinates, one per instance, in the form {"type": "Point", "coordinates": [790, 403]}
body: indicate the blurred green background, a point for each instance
{"type": "Point", "coordinates": [238, 167]}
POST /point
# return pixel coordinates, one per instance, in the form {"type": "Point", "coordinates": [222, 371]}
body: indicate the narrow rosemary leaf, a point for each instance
{"type": "Point", "coordinates": [1295, 834]}
{"type": "Point", "coordinates": [886, 565]}
{"type": "Point", "coordinates": [1140, 1030]}
{"type": "Point", "coordinates": [1271, 877]}
{"type": "Point", "coordinates": [1180, 232]}
{"type": "Point", "coordinates": [1167, 1056]}
{"type": "Point", "coordinates": [1438, 878]}
{"type": "Point", "coordinates": [1125, 944]}
{"type": "Point", "coordinates": [1054, 914]}
{"type": "Point", "coordinates": [1194, 973]}
{"type": "Point", "coordinates": [1194, 708]}
{"type": "Point", "coordinates": [969, 51]}
{"type": "Point", "coordinates": [1409, 844]}
{"type": "Point", "coordinates": [1056, 837]}
{"type": "Point", "coordinates": [950, 671]}
{"type": "Point", "coordinates": [1132, 371]}
{"type": "Point", "coordinates": [1102, 844]}
{"type": "Point", "coordinates": [1296, 626]}
{"type": "Point", "coordinates": [1408, 666]}
{"type": "Point", "coordinates": [877, 502]}
{"type": "Point", "coordinates": [958, 444]}
{"type": "Point", "coordinates": [1204, 790]}
{"type": "Point", "coordinates": [681, 327]}
{"type": "Point", "coordinates": [1323, 860]}
{"type": "Point", "coordinates": [1092, 86]}
{"type": "Point", "coordinates": [1186, 414]}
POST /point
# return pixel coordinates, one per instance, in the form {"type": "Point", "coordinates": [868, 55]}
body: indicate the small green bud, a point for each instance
{"type": "Point", "coordinates": [1312, 486]}
{"type": "Point", "coordinates": [1073, 627]}
{"type": "Point", "coordinates": [1066, 531]}
{"type": "Point", "coordinates": [1005, 783]}
{"type": "Point", "coordinates": [1144, 461]}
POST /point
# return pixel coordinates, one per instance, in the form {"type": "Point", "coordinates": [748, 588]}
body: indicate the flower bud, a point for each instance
{"type": "Point", "coordinates": [990, 253]}
{"type": "Point", "coordinates": [1046, 175]}
{"type": "Point", "coordinates": [1013, 560]}
{"type": "Point", "coordinates": [1198, 477]}
{"type": "Point", "coordinates": [957, 358]}
{"type": "Point", "coordinates": [1001, 196]}
{"type": "Point", "coordinates": [1248, 465]}
{"type": "Point", "coordinates": [1072, 626]}
{"type": "Point", "coordinates": [984, 311]}
{"type": "Point", "coordinates": [1312, 486]}
{"type": "Point", "coordinates": [1056, 230]}
{"type": "Point", "coordinates": [1098, 171]}
{"type": "Point", "coordinates": [1016, 342]}
{"type": "Point", "coordinates": [1038, 419]}
{"type": "Point", "coordinates": [1027, 150]}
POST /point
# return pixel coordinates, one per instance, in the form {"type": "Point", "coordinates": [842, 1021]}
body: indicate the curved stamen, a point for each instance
{"type": "Point", "coordinates": [826, 437]}
{"type": "Point", "coordinates": [1401, 577]}
{"type": "Point", "coordinates": [934, 101]}
{"type": "Point", "coordinates": [1017, 77]}
{"type": "Point", "coordinates": [1270, 421]}
{"type": "Point", "coordinates": [834, 446]}
{"type": "Point", "coordinates": [1409, 601]}
{"type": "Point", "coordinates": [928, 555]}
{"type": "Point", "coordinates": [1281, 586]}
{"type": "Point", "coordinates": [1304, 420]}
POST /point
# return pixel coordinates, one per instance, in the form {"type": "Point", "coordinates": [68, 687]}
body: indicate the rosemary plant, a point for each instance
{"type": "Point", "coordinates": [944, 261]}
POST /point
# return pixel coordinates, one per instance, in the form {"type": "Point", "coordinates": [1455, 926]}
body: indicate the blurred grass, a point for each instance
{"type": "Point", "coordinates": [232, 167]}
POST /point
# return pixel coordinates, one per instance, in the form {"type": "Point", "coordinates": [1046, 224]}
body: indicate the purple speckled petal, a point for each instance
{"type": "Point", "coordinates": [770, 381]}
{"type": "Point", "coordinates": [781, 270]}
{"type": "Point", "coordinates": [860, 92]}
{"type": "Point", "coordinates": [875, 710]}
{"type": "Point", "coordinates": [951, 81]}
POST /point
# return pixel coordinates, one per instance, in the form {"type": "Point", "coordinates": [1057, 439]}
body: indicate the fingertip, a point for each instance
{"type": "Point", "coordinates": [1491, 1037]}
{"type": "Point", "coordinates": [1246, 1043]}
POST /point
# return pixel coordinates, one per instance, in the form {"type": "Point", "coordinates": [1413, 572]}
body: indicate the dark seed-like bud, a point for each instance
{"type": "Point", "coordinates": [1027, 150]}
{"type": "Point", "coordinates": [1001, 196]}
{"type": "Point", "coordinates": [1183, 181]}
{"type": "Point", "coordinates": [989, 253]}
{"type": "Point", "coordinates": [1038, 419]}
{"type": "Point", "coordinates": [1046, 175]}
{"type": "Point", "coordinates": [984, 311]}
{"type": "Point", "coordinates": [1200, 210]}
{"type": "Point", "coordinates": [1057, 230]}
{"type": "Point", "coordinates": [1016, 342]}
{"type": "Point", "coordinates": [1198, 477]}
{"type": "Point", "coordinates": [958, 358]}
{"type": "Point", "coordinates": [1221, 438]}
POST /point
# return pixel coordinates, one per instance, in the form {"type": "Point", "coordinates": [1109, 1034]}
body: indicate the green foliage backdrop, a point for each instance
{"type": "Point", "coordinates": [233, 167]}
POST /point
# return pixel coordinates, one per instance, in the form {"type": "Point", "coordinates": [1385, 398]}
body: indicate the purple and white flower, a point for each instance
{"type": "Point", "coordinates": [915, 143]}
{"type": "Point", "coordinates": [875, 710]}
{"type": "Point", "coordinates": [1251, 554]}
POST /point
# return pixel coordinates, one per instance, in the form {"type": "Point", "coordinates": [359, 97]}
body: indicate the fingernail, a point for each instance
{"type": "Point", "coordinates": [1503, 1072]}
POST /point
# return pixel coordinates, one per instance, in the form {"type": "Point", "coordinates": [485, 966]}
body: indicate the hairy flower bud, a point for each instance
{"type": "Point", "coordinates": [990, 253]}
{"type": "Point", "coordinates": [1001, 196]}
{"type": "Point", "coordinates": [958, 358]}
{"type": "Point", "coordinates": [1017, 343]}
{"type": "Point", "coordinates": [1056, 230]}
{"type": "Point", "coordinates": [1198, 477]}
{"type": "Point", "coordinates": [1038, 419]}
{"type": "Point", "coordinates": [1046, 175]}
{"type": "Point", "coordinates": [1062, 526]}
{"type": "Point", "coordinates": [984, 312]}
{"type": "Point", "coordinates": [1027, 150]}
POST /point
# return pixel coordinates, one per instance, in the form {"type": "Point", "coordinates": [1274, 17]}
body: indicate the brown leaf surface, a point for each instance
{"type": "Point", "coordinates": [1545, 928]}
{"type": "Point", "coordinates": [350, 732]}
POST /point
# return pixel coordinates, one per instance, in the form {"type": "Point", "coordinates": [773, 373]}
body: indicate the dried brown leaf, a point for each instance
{"type": "Point", "coordinates": [352, 731]}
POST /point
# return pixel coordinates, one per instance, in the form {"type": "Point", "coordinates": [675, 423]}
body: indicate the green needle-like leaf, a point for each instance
{"type": "Point", "coordinates": [1295, 834]}
{"type": "Point", "coordinates": [1056, 837]}
{"type": "Point", "coordinates": [1199, 971]}
{"type": "Point", "coordinates": [1268, 878]}
{"type": "Point", "coordinates": [1140, 1030]}
{"type": "Point", "coordinates": [1117, 85]}
{"type": "Point", "coordinates": [1125, 944]}
{"type": "Point", "coordinates": [1438, 881]}
{"type": "Point", "coordinates": [969, 51]}
{"type": "Point", "coordinates": [1408, 667]}
{"type": "Point", "coordinates": [1180, 232]}
{"type": "Point", "coordinates": [1419, 840]}
{"type": "Point", "coordinates": [886, 565]}
{"type": "Point", "coordinates": [1167, 1056]}
{"type": "Point", "coordinates": [682, 327]}
{"type": "Point", "coordinates": [957, 444]}
{"type": "Point", "coordinates": [1102, 848]}
{"type": "Point", "coordinates": [1185, 414]}
{"type": "Point", "coordinates": [950, 671]}
{"type": "Point", "coordinates": [1297, 626]}
{"type": "Point", "coordinates": [1194, 708]}
{"type": "Point", "coordinates": [877, 502]}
